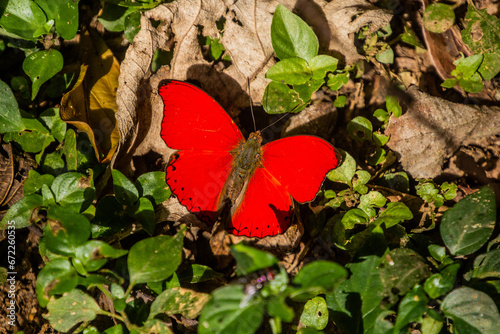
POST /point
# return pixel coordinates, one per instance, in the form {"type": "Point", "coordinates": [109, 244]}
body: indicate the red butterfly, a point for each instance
{"type": "Point", "coordinates": [215, 167]}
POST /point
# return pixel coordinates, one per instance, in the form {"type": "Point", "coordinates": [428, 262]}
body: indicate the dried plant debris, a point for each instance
{"type": "Point", "coordinates": [433, 129]}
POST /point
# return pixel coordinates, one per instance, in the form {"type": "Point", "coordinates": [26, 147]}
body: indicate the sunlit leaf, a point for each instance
{"type": "Point", "coordinates": [91, 104]}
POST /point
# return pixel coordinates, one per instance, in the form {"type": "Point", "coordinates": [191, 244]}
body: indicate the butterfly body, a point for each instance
{"type": "Point", "coordinates": [215, 168]}
{"type": "Point", "coordinates": [246, 159]}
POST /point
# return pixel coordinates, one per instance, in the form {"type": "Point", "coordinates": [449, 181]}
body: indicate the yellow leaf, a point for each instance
{"type": "Point", "coordinates": [91, 105]}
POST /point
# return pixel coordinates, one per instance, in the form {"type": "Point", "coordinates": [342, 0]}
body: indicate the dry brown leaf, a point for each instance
{"type": "Point", "coordinates": [90, 105]}
{"type": "Point", "coordinates": [13, 171]}
{"type": "Point", "coordinates": [432, 129]}
{"type": "Point", "coordinates": [346, 18]}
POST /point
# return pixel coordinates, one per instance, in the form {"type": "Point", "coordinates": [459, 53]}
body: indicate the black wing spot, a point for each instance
{"type": "Point", "coordinates": [182, 188]}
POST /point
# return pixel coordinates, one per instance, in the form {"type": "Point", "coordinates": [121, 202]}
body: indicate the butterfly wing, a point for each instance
{"type": "Point", "coordinates": [195, 121]}
{"type": "Point", "coordinates": [300, 164]}
{"type": "Point", "coordinates": [293, 166]}
{"type": "Point", "coordinates": [197, 126]}
{"type": "Point", "coordinates": [197, 178]}
{"type": "Point", "coordinates": [266, 207]}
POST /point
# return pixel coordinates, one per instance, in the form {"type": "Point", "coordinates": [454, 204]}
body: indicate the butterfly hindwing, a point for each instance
{"type": "Point", "coordinates": [266, 208]}
{"type": "Point", "coordinates": [197, 178]}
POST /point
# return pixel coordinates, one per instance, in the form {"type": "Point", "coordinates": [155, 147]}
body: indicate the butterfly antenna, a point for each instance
{"type": "Point", "coordinates": [251, 105]}
{"type": "Point", "coordinates": [278, 120]}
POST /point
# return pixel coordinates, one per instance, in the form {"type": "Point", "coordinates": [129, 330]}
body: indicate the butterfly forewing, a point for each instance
{"type": "Point", "coordinates": [308, 160]}
{"type": "Point", "coordinates": [194, 121]}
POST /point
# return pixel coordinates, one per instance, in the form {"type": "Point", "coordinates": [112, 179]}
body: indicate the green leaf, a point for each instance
{"type": "Point", "coordinates": [21, 211]}
{"type": "Point", "coordinates": [469, 224]}
{"type": "Point", "coordinates": [487, 265]}
{"type": "Point", "coordinates": [132, 25]}
{"type": "Point", "coordinates": [322, 64]}
{"type": "Point", "coordinates": [125, 191]}
{"type": "Point", "coordinates": [95, 253]}
{"type": "Point", "coordinates": [401, 269]}
{"type": "Point", "coordinates": [449, 190]}
{"type": "Point", "coordinates": [360, 129]}
{"type": "Point", "coordinates": [216, 47]}
{"type": "Point", "coordinates": [146, 259]}
{"type": "Point", "coordinates": [336, 81]}
{"type": "Point", "coordinates": [359, 181]}
{"type": "Point", "coordinates": [472, 311]}
{"type": "Point", "coordinates": [468, 66]}
{"type": "Point", "coordinates": [183, 301]}
{"type": "Point", "coordinates": [370, 200]}
{"type": "Point", "coordinates": [152, 186]}
{"type": "Point", "coordinates": [144, 212]}
{"type": "Point", "coordinates": [482, 36]}
{"type": "Point", "coordinates": [52, 163]}
{"type": "Point", "coordinates": [430, 324]}
{"type": "Point", "coordinates": [64, 13]}
{"type": "Point", "coordinates": [437, 252]}
{"type": "Point", "coordinates": [395, 213]}
{"type": "Point", "coordinates": [345, 172]}
{"type": "Point", "coordinates": [315, 313]}
{"type": "Point", "coordinates": [291, 36]}
{"type": "Point", "coordinates": [320, 274]}
{"type": "Point", "coordinates": [42, 65]}
{"type": "Point", "coordinates": [386, 56]}
{"type": "Point", "coordinates": [438, 17]}
{"type": "Point", "coordinates": [10, 117]}
{"type": "Point", "coordinates": [411, 308]}
{"type": "Point", "coordinates": [409, 36]}
{"type": "Point", "coordinates": [473, 85]}
{"type": "Point", "coordinates": [33, 138]}
{"type": "Point", "coordinates": [66, 230]}
{"type": "Point", "coordinates": [365, 281]}
{"type": "Point", "coordinates": [377, 157]}
{"type": "Point", "coordinates": [196, 273]}
{"type": "Point", "coordinates": [441, 283]}
{"type": "Point", "coordinates": [279, 99]}
{"type": "Point", "coordinates": [449, 83]}
{"type": "Point", "coordinates": [50, 118]}
{"type": "Point", "coordinates": [381, 115]}
{"type": "Point", "coordinates": [22, 18]}
{"type": "Point", "coordinates": [277, 308]}
{"type": "Point", "coordinates": [340, 101]}
{"type": "Point", "coordinates": [70, 309]}
{"type": "Point", "coordinates": [35, 181]}
{"type": "Point", "coordinates": [249, 259]}
{"type": "Point", "coordinates": [47, 195]}
{"type": "Point", "coordinates": [113, 16]}
{"type": "Point", "coordinates": [291, 71]}
{"type": "Point", "coordinates": [57, 277]}
{"type": "Point", "coordinates": [306, 90]}
{"type": "Point", "coordinates": [353, 217]}
{"type": "Point", "coordinates": [392, 105]}
{"type": "Point", "coordinates": [380, 139]}
{"type": "Point", "coordinates": [73, 191]}
{"type": "Point", "coordinates": [70, 151]}
{"type": "Point", "coordinates": [225, 314]}
{"type": "Point", "coordinates": [109, 216]}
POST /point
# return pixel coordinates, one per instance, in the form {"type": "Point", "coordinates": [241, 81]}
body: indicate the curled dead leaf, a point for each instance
{"type": "Point", "coordinates": [91, 105]}
{"type": "Point", "coordinates": [433, 129]}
